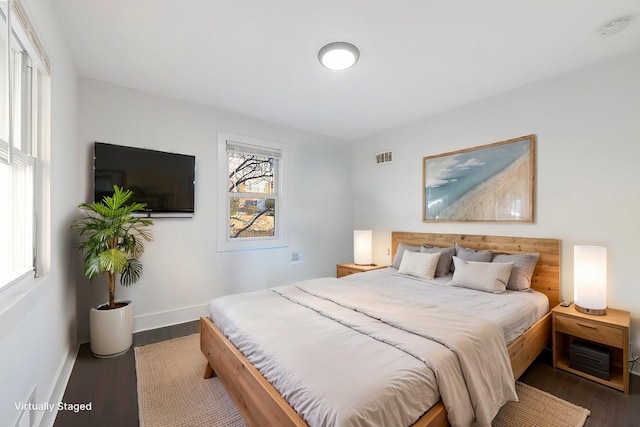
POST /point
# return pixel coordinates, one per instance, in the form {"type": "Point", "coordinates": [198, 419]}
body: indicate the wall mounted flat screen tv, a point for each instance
{"type": "Point", "coordinates": [164, 181]}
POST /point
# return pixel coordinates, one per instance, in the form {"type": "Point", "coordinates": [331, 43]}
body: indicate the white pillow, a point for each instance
{"type": "Point", "coordinates": [419, 264]}
{"type": "Point", "coordinates": [482, 276]}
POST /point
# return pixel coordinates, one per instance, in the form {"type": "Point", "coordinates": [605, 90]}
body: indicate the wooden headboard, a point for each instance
{"type": "Point", "coordinates": [546, 276]}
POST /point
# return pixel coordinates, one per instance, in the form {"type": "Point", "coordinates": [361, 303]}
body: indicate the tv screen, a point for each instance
{"type": "Point", "coordinates": [164, 181]}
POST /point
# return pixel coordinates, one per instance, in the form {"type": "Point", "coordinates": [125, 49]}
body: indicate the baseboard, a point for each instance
{"type": "Point", "coordinates": [145, 322]}
{"type": "Point", "coordinates": [56, 393]}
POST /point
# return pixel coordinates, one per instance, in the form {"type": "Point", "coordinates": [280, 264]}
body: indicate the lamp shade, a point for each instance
{"type": "Point", "coordinates": [590, 279]}
{"type": "Point", "coordinates": [362, 242]}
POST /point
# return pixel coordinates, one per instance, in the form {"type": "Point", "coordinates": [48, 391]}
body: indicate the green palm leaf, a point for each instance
{"type": "Point", "coordinates": [132, 273]}
{"type": "Point", "coordinates": [112, 261]}
{"type": "Point", "coordinates": [91, 266]}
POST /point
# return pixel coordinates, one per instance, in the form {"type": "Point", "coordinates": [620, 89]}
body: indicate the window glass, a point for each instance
{"type": "Point", "coordinates": [4, 79]}
{"type": "Point", "coordinates": [251, 175]}
{"type": "Point", "coordinates": [5, 214]}
{"type": "Point", "coordinates": [251, 217]}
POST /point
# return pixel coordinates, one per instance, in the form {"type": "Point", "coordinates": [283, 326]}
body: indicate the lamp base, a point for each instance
{"type": "Point", "coordinates": [591, 311]}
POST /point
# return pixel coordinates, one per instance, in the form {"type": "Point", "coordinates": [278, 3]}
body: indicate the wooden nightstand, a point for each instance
{"type": "Point", "coordinates": [351, 268]}
{"type": "Point", "coordinates": [610, 330]}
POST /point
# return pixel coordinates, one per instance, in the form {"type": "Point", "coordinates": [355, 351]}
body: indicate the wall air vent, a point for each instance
{"type": "Point", "coordinates": [296, 257]}
{"type": "Point", "coordinates": [383, 158]}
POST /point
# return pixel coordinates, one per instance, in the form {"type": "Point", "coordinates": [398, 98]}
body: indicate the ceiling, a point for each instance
{"type": "Point", "coordinates": [417, 57]}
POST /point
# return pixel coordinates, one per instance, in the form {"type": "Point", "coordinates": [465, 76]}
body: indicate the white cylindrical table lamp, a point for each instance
{"type": "Point", "coordinates": [590, 279]}
{"type": "Point", "coordinates": [362, 247]}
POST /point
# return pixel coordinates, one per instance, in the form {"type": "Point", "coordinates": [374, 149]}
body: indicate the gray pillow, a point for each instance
{"type": "Point", "coordinates": [472, 255]}
{"type": "Point", "coordinates": [522, 271]}
{"type": "Point", "coordinates": [446, 258]}
{"type": "Point", "coordinates": [397, 259]}
{"type": "Point", "coordinates": [481, 276]}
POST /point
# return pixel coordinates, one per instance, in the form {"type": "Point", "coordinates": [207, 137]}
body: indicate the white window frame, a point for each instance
{"type": "Point", "coordinates": [281, 238]}
{"type": "Point", "coordinates": [27, 144]}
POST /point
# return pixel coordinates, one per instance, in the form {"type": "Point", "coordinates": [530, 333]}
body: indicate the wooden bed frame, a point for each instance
{"type": "Point", "coordinates": [262, 405]}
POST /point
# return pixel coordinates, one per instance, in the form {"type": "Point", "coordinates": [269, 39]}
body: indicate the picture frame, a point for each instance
{"type": "Point", "coordinates": [488, 183]}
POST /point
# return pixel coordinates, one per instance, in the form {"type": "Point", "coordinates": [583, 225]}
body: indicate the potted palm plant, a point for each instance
{"type": "Point", "coordinates": [112, 242]}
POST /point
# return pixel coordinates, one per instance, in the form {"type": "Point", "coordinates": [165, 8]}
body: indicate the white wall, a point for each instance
{"type": "Point", "coordinates": [37, 317]}
{"type": "Point", "coordinates": [587, 124]}
{"type": "Point", "coordinates": [182, 269]}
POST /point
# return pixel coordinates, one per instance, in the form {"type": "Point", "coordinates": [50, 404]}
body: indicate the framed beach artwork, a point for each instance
{"type": "Point", "coordinates": [493, 182]}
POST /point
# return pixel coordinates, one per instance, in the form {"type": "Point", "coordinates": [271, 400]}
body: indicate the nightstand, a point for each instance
{"type": "Point", "coordinates": [351, 268]}
{"type": "Point", "coordinates": [610, 331]}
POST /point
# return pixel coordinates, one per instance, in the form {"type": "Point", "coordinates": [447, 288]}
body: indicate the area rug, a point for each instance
{"type": "Point", "coordinates": [172, 392]}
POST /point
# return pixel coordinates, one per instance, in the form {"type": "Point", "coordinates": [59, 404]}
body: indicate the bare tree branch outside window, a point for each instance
{"type": "Point", "coordinates": [252, 204]}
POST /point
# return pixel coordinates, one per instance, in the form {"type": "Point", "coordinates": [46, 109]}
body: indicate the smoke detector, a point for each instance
{"type": "Point", "coordinates": [614, 26]}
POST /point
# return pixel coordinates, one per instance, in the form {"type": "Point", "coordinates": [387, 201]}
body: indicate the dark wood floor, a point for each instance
{"type": "Point", "coordinates": [609, 407]}
{"type": "Point", "coordinates": [110, 386]}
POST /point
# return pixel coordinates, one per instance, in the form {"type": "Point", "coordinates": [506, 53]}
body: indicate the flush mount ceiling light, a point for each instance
{"type": "Point", "coordinates": [614, 26]}
{"type": "Point", "coordinates": [338, 56]}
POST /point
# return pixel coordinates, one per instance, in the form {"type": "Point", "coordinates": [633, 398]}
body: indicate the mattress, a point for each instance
{"type": "Point", "coordinates": [380, 348]}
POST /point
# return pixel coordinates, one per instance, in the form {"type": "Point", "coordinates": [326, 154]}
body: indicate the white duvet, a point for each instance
{"type": "Point", "coordinates": [351, 353]}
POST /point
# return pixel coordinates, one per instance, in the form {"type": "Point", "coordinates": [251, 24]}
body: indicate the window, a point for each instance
{"type": "Point", "coordinates": [23, 119]}
{"type": "Point", "coordinates": [251, 193]}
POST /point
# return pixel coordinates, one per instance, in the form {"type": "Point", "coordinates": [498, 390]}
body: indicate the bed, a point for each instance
{"type": "Point", "coordinates": [261, 404]}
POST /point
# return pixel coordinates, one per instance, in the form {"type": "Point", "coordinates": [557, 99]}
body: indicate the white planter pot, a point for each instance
{"type": "Point", "coordinates": [111, 330]}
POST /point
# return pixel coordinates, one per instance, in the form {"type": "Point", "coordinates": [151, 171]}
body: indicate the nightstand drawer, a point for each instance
{"type": "Point", "coordinates": [345, 271]}
{"type": "Point", "coordinates": [351, 268]}
{"type": "Point", "coordinates": [589, 330]}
